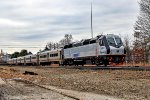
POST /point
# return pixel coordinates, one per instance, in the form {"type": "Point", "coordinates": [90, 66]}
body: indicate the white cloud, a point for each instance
{"type": "Point", "coordinates": [12, 23]}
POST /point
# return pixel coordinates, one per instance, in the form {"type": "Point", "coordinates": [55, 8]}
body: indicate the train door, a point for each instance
{"type": "Point", "coordinates": [61, 55]}
{"type": "Point", "coordinates": [24, 61]}
{"type": "Point", "coordinates": [30, 58]}
{"type": "Point", "coordinates": [47, 57]}
{"type": "Point", "coordinates": [102, 49]}
{"type": "Point", "coordinates": [38, 61]}
{"type": "Point", "coordinates": [97, 47]}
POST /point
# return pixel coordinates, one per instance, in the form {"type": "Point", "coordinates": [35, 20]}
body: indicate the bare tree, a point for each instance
{"type": "Point", "coordinates": [54, 46]}
{"type": "Point", "coordinates": [57, 45]}
{"type": "Point", "coordinates": [127, 48]}
{"type": "Point", "coordinates": [66, 40]}
{"type": "Point", "coordinates": [50, 45]}
{"type": "Point", "coordinates": [62, 42]}
{"type": "Point", "coordinates": [46, 48]}
{"type": "Point", "coordinates": [142, 28]}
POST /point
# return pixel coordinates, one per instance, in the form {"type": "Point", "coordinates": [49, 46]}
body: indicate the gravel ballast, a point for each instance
{"type": "Point", "coordinates": [129, 85]}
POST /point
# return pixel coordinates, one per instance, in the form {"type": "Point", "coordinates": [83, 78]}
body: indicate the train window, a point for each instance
{"type": "Point", "coordinates": [54, 55]}
{"type": "Point", "coordinates": [111, 41]}
{"type": "Point", "coordinates": [92, 41]}
{"type": "Point", "coordinates": [43, 56]}
{"type": "Point", "coordinates": [101, 43]}
{"type": "Point", "coordinates": [50, 55]}
{"type": "Point", "coordinates": [33, 57]}
{"type": "Point", "coordinates": [118, 40]}
{"type": "Point", "coordinates": [27, 58]}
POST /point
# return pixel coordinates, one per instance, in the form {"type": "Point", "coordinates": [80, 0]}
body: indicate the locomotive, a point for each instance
{"type": "Point", "coordinates": [101, 50]}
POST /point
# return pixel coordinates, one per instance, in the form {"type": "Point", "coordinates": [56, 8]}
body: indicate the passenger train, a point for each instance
{"type": "Point", "coordinates": [101, 50]}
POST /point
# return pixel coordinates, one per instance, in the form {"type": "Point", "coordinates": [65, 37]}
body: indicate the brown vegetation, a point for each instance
{"type": "Point", "coordinates": [119, 83]}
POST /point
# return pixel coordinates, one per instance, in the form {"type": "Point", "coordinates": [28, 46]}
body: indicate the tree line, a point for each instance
{"type": "Point", "coordinates": [21, 53]}
{"type": "Point", "coordinates": [67, 39]}
{"type": "Point", "coordinates": [142, 29]}
{"type": "Point", "coordinates": [140, 52]}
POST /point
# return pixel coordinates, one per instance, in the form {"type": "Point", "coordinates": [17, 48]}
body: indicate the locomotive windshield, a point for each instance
{"type": "Point", "coordinates": [114, 41]}
{"type": "Point", "coordinates": [111, 41]}
{"type": "Point", "coordinates": [118, 40]}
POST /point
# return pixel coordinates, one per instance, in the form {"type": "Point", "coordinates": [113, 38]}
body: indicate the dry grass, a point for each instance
{"type": "Point", "coordinates": [137, 64]}
{"type": "Point", "coordinates": [125, 84]}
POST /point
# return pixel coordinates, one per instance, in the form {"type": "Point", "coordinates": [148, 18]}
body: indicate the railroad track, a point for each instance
{"type": "Point", "coordinates": [138, 68]}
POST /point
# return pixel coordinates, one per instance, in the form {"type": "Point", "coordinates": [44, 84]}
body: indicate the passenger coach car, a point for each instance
{"type": "Point", "coordinates": [41, 58]}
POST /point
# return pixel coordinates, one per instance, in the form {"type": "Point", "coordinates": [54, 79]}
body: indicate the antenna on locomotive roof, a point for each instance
{"type": "Point", "coordinates": [91, 21]}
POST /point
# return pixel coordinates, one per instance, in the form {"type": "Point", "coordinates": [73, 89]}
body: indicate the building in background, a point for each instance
{"type": "Point", "coordinates": [4, 57]}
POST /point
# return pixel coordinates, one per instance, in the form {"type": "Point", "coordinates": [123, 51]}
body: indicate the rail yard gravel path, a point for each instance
{"type": "Point", "coordinates": [20, 90]}
{"type": "Point", "coordinates": [123, 84]}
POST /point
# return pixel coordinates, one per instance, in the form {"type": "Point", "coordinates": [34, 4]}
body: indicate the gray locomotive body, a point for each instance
{"type": "Point", "coordinates": [103, 49]}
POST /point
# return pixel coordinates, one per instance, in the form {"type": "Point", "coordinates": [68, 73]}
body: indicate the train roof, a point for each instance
{"type": "Point", "coordinates": [47, 51]}
{"type": "Point", "coordinates": [83, 41]}
{"type": "Point", "coordinates": [111, 35]}
{"type": "Point", "coordinates": [88, 41]}
{"type": "Point", "coordinates": [27, 55]}
{"type": "Point", "coordinates": [20, 57]}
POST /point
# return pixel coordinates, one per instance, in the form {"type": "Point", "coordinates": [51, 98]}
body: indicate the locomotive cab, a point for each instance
{"type": "Point", "coordinates": [115, 44]}
{"type": "Point", "coordinates": [110, 49]}
{"type": "Point", "coordinates": [116, 47]}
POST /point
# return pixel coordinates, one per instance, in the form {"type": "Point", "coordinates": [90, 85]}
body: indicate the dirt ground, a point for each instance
{"type": "Point", "coordinates": [20, 90]}
{"type": "Point", "coordinates": [129, 85]}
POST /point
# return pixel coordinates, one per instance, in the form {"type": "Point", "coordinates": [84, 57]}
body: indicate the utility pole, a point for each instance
{"type": "Point", "coordinates": [91, 21]}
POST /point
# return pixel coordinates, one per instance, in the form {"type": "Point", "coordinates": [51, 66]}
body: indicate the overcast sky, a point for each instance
{"type": "Point", "coordinates": [36, 22]}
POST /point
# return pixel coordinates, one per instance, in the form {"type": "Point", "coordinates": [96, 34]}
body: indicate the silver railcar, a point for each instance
{"type": "Point", "coordinates": [103, 49]}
